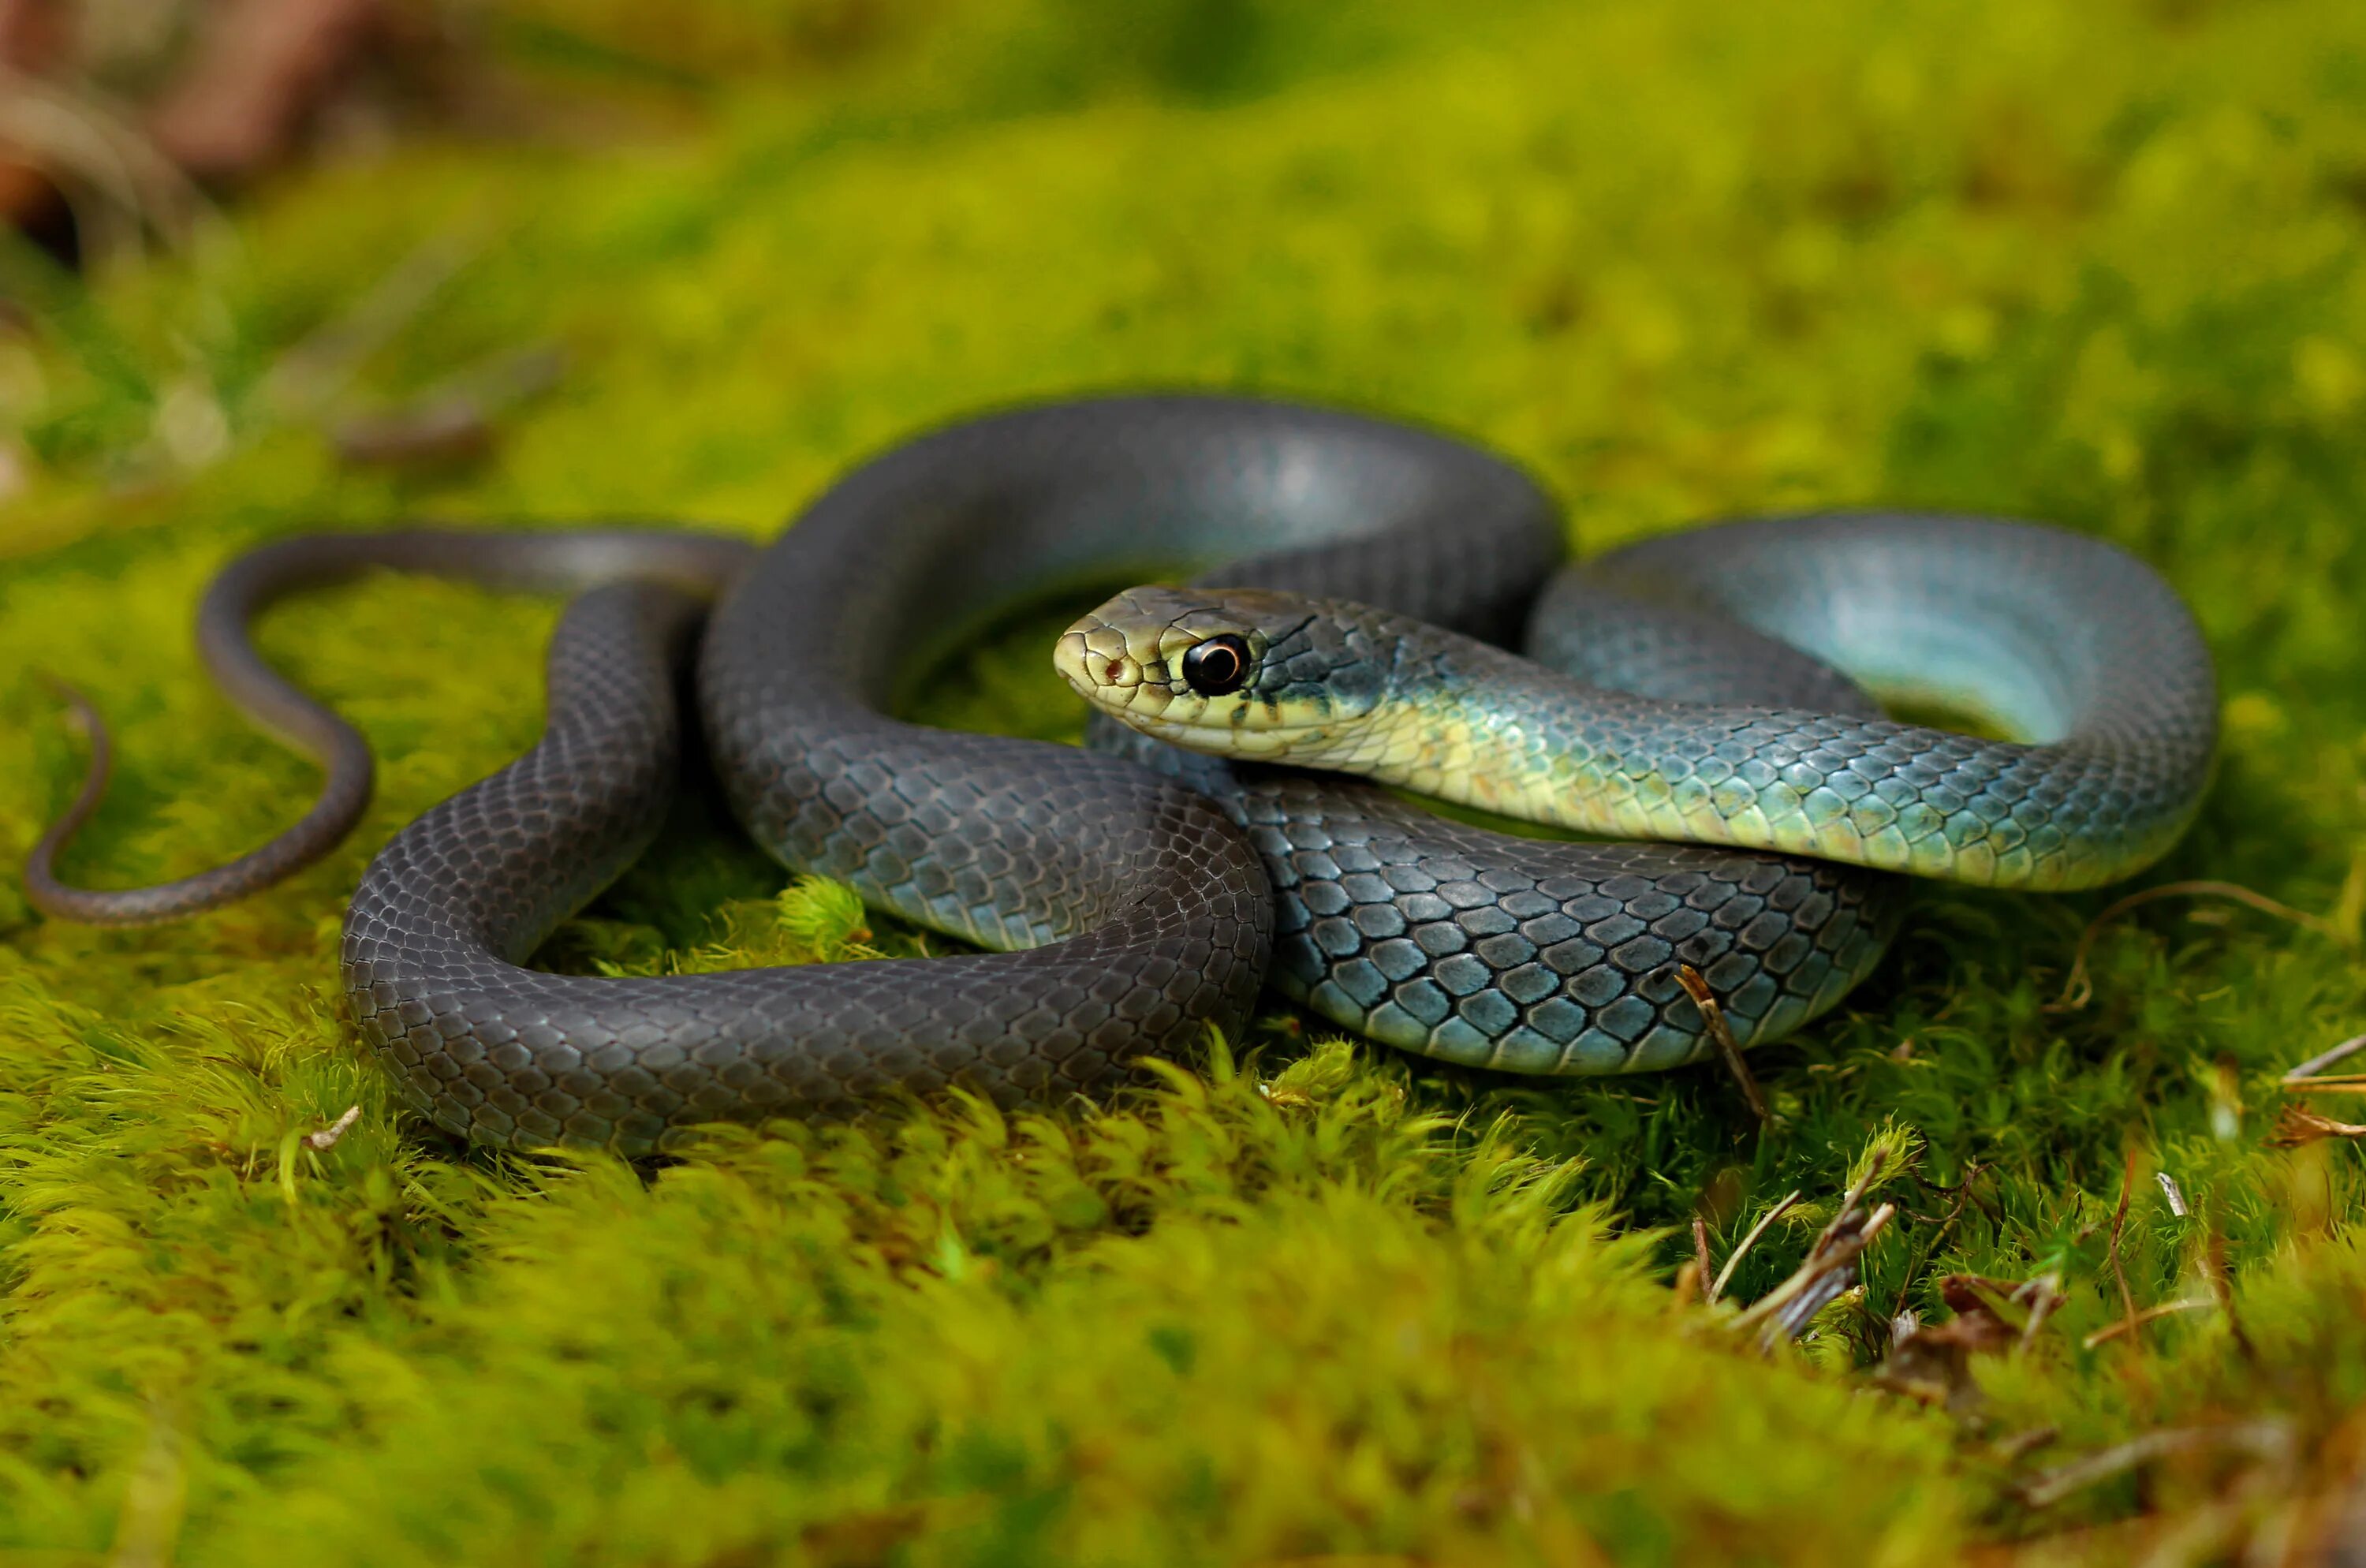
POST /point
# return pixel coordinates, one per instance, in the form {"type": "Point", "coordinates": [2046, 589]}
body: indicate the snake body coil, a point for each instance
{"type": "Point", "coordinates": [1137, 905]}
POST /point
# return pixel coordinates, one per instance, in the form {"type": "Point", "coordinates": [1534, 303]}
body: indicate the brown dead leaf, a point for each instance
{"type": "Point", "coordinates": [1934, 1363]}
{"type": "Point", "coordinates": [259, 69]}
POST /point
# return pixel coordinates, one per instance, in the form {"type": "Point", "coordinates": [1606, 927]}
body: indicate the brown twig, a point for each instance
{"type": "Point", "coordinates": [2266, 1439]}
{"type": "Point", "coordinates": [1721, 1034]}
{"type": "Point", "coordinates": [2119, 1222]}
{"type": "Point", "coordinates": [2297, 1125]}
{"type": "Point", "coordinates": [452, 422]}
{"type": "Point", "coordinates": [2151, 1313]}
{"type": "Point", "coordinates": [1829, 1268]}
{"type": "Point", "coordinates": [2078, 990]}
{"type": "Point", "coordinates": [2021, 1306]}
{"type": "Point", "coordinates": [1929, 1247]}
{"type": "Point", "coordinates": [2222, 1288]}
{"type": "Point", "coordinates": [2309, 1070]}
{"type": "Point", "coordinates": [2022, 1444]}
{"type": "Point", "coordinates": [114, 181]}
{"type": "Point", "coordinates": [1725, 1275]}
{"type": "Point", "coordinates": [1686, 1289]}
{"type": "Point", "coordinates": [308, 375]}
{"type": "Point", "coordinates": [2046, 1294]}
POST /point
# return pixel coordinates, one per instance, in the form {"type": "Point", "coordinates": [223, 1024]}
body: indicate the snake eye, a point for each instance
{"type": "Point", "coordinates": [1217, 666]}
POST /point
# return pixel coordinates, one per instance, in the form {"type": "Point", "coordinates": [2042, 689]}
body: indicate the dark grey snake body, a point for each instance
{"type": "Point", "coordinates": [1137, 904]}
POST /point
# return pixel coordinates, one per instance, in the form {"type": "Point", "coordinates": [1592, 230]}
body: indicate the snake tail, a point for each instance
{"type": "Point", "coordinates": [524, 560]}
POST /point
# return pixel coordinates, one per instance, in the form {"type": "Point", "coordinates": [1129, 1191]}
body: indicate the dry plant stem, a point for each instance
{"type": "Point", "coordinates": [1725, 1275]}
{"type": "Point", "coordinates": [1824, 1275]}
{"type": "Point", "coordinates": [2037, 1296]}
{"type": "Point", "coordinates": [1836, 1247]}
{"type": "Point", "coordinates": [2167, 1309]}
{"type": "Point", "coordinates": [455, 433]}
{"type": "Point", "coordinates": [1929, 1247]}
{"type": "Point", "coordinates": [2222, 1288]}
{"type": "Point", "coordinates": [2021, 1445]}
{"type": "Point", "coordinates": [2318, 1064]}
{"type": "Point", "coordinates": [2047, 1298]}
{"type": "Point", "coordinates": [114, 180]}
{"type": "Point", "coordinates": [310, 374]}
{"type": "Point", "coordinates": [2119, 1222]}
{"type": "Point", "coordinates": [452, 422]}
{"type": "Point", "coordinates": [2078, 990]}
{"type": "Point", "coordinates": [2297, 1126]}
{"type": "Point", "coordinates": [326, 1137]}
{"type": "Point", "coordinates": [1728, 1048]}
{"type": "Point", "coordinates": [2267, 1440]}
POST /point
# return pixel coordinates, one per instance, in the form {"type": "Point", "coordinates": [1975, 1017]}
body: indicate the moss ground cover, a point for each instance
{"type": "Point", "coordinates": [1309, 1300]}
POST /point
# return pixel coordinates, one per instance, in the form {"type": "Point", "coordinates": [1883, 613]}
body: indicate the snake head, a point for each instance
{"type": "Point", "coordinates": [1241, 672]}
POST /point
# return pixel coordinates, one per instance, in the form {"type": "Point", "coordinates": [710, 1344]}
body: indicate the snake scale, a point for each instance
{"type": "Point", "coordinates": [1712, 686]}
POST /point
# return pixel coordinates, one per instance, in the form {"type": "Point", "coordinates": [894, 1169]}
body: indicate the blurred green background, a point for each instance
{"type": "Point", "coordinates": [548, 259]}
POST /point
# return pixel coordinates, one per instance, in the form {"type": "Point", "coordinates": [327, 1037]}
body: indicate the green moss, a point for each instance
{"type": "Point", "coordinates": [2099, 264]}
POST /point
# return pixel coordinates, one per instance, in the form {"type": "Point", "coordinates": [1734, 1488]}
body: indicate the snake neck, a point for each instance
{"type": "Point", "coordinates": [1464, 722]}
{"type": "Point", "coordinates": [1469, 723]}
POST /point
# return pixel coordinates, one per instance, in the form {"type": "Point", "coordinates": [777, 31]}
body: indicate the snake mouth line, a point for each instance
{"type": "Point", "coordinates": [1264, 745]}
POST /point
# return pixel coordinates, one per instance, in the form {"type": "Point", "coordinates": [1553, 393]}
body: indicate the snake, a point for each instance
{"type": "Point", "coordinates": [1323, 634]}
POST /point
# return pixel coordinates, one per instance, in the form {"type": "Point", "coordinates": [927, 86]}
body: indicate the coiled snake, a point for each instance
{"type": "Point", "coordinates": [1133, 894]}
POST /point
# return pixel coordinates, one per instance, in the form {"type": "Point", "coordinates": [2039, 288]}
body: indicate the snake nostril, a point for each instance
{"type": "Point", "coordinates": [1116, 671]}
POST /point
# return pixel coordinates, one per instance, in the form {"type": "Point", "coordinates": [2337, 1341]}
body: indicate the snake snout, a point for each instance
{"type": "Point", "coordinates": [1092, 657]}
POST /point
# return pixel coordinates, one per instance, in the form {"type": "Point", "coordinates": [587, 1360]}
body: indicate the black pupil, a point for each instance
{"type": "Point", "coordinates": [1217, 666]}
